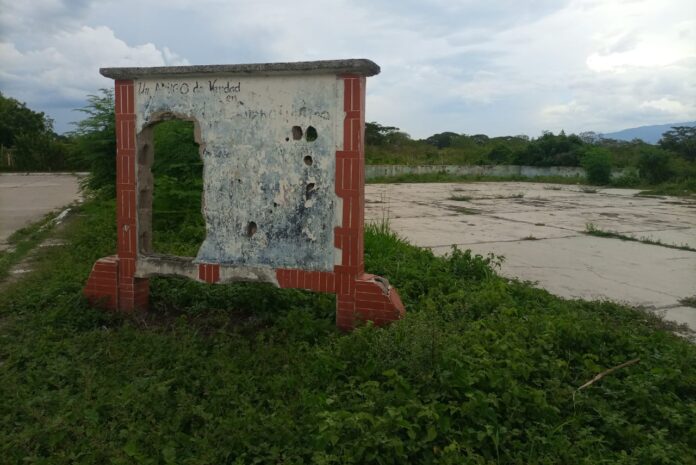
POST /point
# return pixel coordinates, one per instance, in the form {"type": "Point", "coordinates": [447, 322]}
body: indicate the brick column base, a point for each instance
{"type": "Point", "coordinates": [107, 289]}
{"type": "Point", "coordinates": [373, 300]}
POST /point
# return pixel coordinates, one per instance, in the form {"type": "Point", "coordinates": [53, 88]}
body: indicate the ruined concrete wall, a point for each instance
{"type": "Point", "coordinates": [268, 146]}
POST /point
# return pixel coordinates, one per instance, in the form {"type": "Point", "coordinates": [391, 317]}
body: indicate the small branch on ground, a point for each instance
{"type": "Point", "coordinates": [605, 373]}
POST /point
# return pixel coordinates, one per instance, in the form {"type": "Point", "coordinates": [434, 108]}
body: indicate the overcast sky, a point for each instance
{"type": "Point", "coordinates": [496, 67]}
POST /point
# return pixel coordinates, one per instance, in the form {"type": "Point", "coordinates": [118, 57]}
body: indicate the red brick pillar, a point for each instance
{"type": "Point", "coordinates": [359, 296]}
{"type": "Point", "coordinates": [126, 292]}
{"type": "Point", "coordinates": [132, 292]}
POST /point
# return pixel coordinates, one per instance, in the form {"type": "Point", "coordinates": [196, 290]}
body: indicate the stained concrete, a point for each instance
{"type": "Point", "coordinates": [539, 229]}
{"type": "Point", "coordinates": [269, 195]}
{"type": "Point", "coordinates": [26, 198]}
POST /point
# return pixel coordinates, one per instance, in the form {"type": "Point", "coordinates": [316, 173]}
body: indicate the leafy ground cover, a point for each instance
{"type": "Point", "coordinates": [482, 370]}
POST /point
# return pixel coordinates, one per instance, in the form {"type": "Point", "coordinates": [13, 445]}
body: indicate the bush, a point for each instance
{"type": "Point", "coordinates": [597, 164]}
{"type": "Point", "coordinates": [500, 154]}
{"type": "Point", "coordinates": [628, 179]}
{"type": "Point", "coordinates": [654, 165]}
{"type": "Point", "coordinates": [95, 142]}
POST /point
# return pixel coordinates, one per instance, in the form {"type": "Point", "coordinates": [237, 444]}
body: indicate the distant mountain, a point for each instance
{"type": "Point", "coordinates": [649, 134]}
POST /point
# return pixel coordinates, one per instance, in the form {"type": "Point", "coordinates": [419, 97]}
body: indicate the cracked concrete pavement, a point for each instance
{"type": "Point", "coordinates": [539, 229]}
{"type": "Point", "coordinates": [26, 198]}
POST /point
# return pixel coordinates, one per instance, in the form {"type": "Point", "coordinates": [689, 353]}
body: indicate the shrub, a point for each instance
{"type": "Point", "coordinates": [500, 154]}
{"type": "Point", "coordinates": [654, 165]}
{"type": "Point", "coordinates": [628, 179]}
{"type": "Point", "coordinates": [597, 164]}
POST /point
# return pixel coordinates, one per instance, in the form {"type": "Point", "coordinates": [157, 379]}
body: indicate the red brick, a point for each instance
{"type": "Point", "coordinates": [130, 98]}
{"type": "Point", "coordinates": [201, 271]}
{"type": "Point", "coordinates": [355, 95]}
{"type": "Point", "coordinates": [126, 268]}
{"type": "Point", "coordinates": [347, 94]}
{"type": "Point", "coordinates": [347, 140]}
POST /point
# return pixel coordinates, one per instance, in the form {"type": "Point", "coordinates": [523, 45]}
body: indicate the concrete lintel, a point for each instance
{"type": "Point", "coordinates": [361, 67]}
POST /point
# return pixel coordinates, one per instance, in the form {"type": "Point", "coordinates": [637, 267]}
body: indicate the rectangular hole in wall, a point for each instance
{"type": "Point", "coordinates": [178, 227]}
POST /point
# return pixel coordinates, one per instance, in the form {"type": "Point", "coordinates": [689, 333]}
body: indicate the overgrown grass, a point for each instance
{"type": "Point", "coordinates": [22, 241]}
{"type": "Point", "coordinates": [686, 188]}
{"type": "Point", "coordinates": [482, 370]}
{"type": "Point", "coordinates": [446, 177]}
{"type": "Point", "coordinates": [592, 230]}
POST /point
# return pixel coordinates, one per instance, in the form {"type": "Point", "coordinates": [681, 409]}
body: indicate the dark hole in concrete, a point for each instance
{"type": "Point", "coordinates": [308, 160]}
{"type": "Point", "coordinates": [311, 134]}
{"type": "Point", "coordinates": [296, 133]}
{"type": "Point", "coordinates": [251, 229]}
{"type": "Point", "coordinates": [309, 191]}
{"type": "Point", "coordinates": [287, 139]}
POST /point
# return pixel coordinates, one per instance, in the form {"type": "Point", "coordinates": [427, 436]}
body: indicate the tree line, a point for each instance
{"type": "Point", "coordinates": [673, 158]}
{"type": "Point", "coordinates": [29, 143]}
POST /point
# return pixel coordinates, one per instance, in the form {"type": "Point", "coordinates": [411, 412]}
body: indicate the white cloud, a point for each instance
{"type": "Point", "coordinates": [471, 66]}
{"type": "Point", "coordinates": [672, 108]}
{"type": "Point", "coordinates": [68, 69]}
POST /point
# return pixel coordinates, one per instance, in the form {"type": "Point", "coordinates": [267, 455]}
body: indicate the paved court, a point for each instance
{"type": "Point", "coordinates": [25, 198]}
{"type": "Point", "coordinates": [538, 228]}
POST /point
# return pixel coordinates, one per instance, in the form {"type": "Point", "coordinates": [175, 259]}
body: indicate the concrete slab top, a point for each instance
{"type": "Point", "coordinates": [540, 230]}
{"type": "Point", "coordinates": [360, 66]}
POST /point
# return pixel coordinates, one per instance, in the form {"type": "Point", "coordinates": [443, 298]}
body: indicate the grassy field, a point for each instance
{"type": "Point", "coordinates": [685, 188]}
{"type": "Point", "coordinates": [447, 177]}
{"type": "Point", "coordinates": [482, 370]}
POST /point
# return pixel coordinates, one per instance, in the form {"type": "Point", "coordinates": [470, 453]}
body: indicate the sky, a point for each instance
{"type": "Point", "coordinates": [496, 67]}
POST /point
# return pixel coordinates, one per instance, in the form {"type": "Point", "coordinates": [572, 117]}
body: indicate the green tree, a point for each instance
{"type": "Point", "coordinates": [95, 141]}
{"type": "Point", "coordinates": [654, 165]}
{"type": "Point", "coordinates": [552, 150]}
{"type": "Point", "coordinates": [681, 140]}
{"type": "Point", "coordinates": [16, 119]}
{"type": "Point", "coordinates": [597, 164]}
{"type": "Point", "coordinates": [30, 138]}
{"type": "Point", "coordinates": [500, 154]}
{"type": "Point", "coordinates": [443, 139]}
{"type": "Point", "coordinates": [376, 134]}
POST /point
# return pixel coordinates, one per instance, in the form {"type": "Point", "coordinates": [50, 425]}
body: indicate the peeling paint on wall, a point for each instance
{"type": "Point", "coordinates": [268, 196]}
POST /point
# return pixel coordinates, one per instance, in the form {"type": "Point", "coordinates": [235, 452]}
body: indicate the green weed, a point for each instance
{"type": "Point", "coordinates": [482, 370]}
{"type": "Point", "coordinates": [22, 241]}
{"type": "Point", "coordinates": [592, 230]}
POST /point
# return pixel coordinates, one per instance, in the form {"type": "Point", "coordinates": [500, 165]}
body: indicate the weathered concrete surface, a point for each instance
{"type": "Point", "coordinates": [538, 228]}
{"type": "Point", "coordinates": [25, 198]}
{"type": "Point", "coordinates": [269, 188]}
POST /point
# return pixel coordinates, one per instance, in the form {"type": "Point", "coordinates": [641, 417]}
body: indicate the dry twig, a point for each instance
{"type": "Point", "coordinates": [606, 372]}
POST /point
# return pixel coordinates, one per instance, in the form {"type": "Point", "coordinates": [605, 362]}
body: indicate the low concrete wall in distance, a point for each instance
{"type": "Point", "coordinates": [376, 171]}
